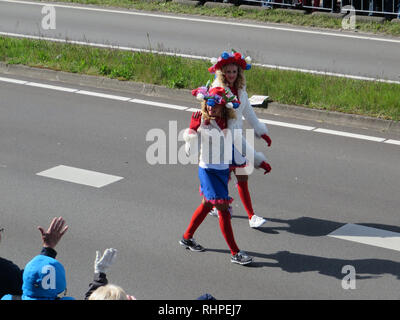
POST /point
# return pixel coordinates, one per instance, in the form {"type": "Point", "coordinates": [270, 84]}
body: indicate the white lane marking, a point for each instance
{"type": "Point", "coordinates": [79, 176]}
{"type": "Point", "coordinates": [48, 86]}
{"type": "Point", "coordinates": [103, 95]}
{"type": "Point", "coordinates": [192, 19]}
{"type": "Point", "coordinates": [158, 104]}
{"type": "Point", "coordinates": [367, 235]}
{"type": "Point", "coordinates": [391, 141]}
{"type": "Point", "coordinates": [182, 108]}
{"type": "Point", "coordinates": [325, 73]}
{"type": "Point", "coordinates": [349, 135]}
{"type": "Point", "coordinates": [190, 56]}
{"type": "Point", "coordinates": [192, 109]}
{"type": "Point", "coordinates": [10, 80]}
{"type": "Point", "coordinates": [288, 125]}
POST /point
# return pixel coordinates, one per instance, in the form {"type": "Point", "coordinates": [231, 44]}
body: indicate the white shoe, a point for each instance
{"type": "Point", "coordinates": [256, 221]}
{"type": "Point", "coordinates": [214, 212]}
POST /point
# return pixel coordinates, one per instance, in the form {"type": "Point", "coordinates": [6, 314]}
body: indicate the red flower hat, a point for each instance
{"type": "Point", "coordinates": [230, 58]}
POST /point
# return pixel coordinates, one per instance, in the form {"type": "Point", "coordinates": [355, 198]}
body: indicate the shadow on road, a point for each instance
{"type": "Point", "coordinates": [305, 226]}
{"type": "Point", "coordinates": [313, 227]}
{"type": "Point", "coordinates": [332, 267]}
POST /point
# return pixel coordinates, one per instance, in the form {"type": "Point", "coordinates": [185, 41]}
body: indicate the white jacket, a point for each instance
{"type": "Point", "coordinates": [215, 152]}
{"type": "Point", "coordinates": [246, 110]}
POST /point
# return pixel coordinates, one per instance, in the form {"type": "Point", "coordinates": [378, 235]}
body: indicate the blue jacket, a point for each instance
{"type": "Point", "coordinates": [11, 274]}
{"type": "Point", "coordinates": [43, 279]}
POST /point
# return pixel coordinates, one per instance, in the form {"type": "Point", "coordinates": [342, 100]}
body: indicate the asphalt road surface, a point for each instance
{"type": "Point", "coordinates": [319, 183]}
{"type": "Point", "coordinates": [340, 52]}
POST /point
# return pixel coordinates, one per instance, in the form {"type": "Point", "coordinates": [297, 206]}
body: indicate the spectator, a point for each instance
{"type": "Point", "coordinates": [110, 292]}
{"type": "Point", "coordinates": [43, 279]}
{"type": "Point", "coordinates": [235, 2]}
{"type": "Point", "coordinates": [11, 275]}
{"type": "Point", "coordinates": [267, 4]}
{"type": "Point", "coordinates": [398, 10]}
{"type": "Point", "coordinates": [206, 296]}
{"type": "Point", "coordinates": [99, 289]}
{"type": "Point", "coordinates": [307, 3]}
{"type": "Point", "coordinates": [376, 5]}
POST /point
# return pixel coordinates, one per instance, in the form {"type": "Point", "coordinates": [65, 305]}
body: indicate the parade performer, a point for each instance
{"type": "Point", "coordinates": [229, 73]}
{"type": "Point", "coordinates": [215, 120]}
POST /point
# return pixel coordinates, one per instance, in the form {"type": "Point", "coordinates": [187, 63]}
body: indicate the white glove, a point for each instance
{"type": "Point", "coordinates": [103, 263]}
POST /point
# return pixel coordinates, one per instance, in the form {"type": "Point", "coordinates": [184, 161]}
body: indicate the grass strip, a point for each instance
{"type": "Point", "coordinates": [374, 99]}
{"type": "Point", "coordinates": [274, 15]}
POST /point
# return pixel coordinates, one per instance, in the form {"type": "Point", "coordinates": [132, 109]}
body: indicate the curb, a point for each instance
{"type": "Point", "coordinates": [218, 5]}
{"type": "Point", "coordinates": [329, 14]}
{"type": "Point", "coordinates": [188, 2]}
{"type": "Point", "coordinates": [185, 96]}
{"type": "Point", "coordinates": [370, 19]}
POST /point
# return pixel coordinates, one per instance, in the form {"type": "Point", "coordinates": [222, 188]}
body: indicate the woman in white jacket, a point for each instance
{"type": "Point", "coordinates": [229, 70]}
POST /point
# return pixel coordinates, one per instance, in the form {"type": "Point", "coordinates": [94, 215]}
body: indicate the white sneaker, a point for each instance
{"type": "Point", "coordinates": [256, 221]}
{"type": "Point", "coordinates": [214, 212]}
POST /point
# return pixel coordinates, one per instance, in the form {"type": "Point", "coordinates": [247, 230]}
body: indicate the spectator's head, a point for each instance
{"type": "Point", "coordinates": [109, 292]}
{"type": "Point", "coordinates": [43, 279]}
{"type": "Point", "coordinates": [206, 296]}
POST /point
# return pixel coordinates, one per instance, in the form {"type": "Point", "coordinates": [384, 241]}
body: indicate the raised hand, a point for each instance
{"type": "Point", "coordinates": [54, 233]}
{"type": "Point", "coordinates": [101, 264]}
{"type": "Point", "coordinates": [195, 121]}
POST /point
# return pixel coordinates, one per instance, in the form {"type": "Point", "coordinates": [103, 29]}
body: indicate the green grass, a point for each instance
{"type": "Point", "coordinates": [275, 15]}
{"type": "Point", "coordinates": [288, 87]}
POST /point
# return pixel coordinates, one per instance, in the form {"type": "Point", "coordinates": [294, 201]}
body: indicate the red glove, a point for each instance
{"type": "Point", "coordinates": [267, 139]}
{"type": "Point", "coordinates": [195, 120]}
{"type": "Point", "coordinates": [265, 166]}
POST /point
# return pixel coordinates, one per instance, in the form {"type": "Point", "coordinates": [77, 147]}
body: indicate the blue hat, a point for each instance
{"type": "Point", "coordinates": [206, 296]}
{"type": "Point", "coordinates": [43, 278]}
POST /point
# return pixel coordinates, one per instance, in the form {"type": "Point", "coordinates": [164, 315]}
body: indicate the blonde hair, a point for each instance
{"type": "Point", "coordinates": [240, 81]}
{"type": "Point", "coordinates": [108, 292]}
{"type": "Point", "coordinates": [226, 112]}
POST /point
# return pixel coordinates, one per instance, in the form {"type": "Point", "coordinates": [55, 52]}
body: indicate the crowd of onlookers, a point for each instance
{"type": "Point", "coordinates": [43, 277]}
{"type": "Point", "coordinates": [390, 9]}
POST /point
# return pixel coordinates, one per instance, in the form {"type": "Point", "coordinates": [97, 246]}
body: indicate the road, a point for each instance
{"type": "Point", "coordinates": [339, 52]}
{"type": "Point", "coordinates": [319, 183]}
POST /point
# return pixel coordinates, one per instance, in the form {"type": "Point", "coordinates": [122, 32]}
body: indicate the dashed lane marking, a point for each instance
{"type": "Point", "coordinates": [367, 235]}
{"type": "Point", "coordinates": [183, 108]}
{"type": "Point", "coordinates": [79, 176]}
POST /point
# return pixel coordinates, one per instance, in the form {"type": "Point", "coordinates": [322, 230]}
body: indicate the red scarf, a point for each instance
{"type": "Point", "coordinates": [221, 123]}
{"type": "Point", "coordinates": [234, 91]}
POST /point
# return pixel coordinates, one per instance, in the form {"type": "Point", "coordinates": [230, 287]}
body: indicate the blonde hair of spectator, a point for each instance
{"type": "Point", "coordinates": [109, 292]}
